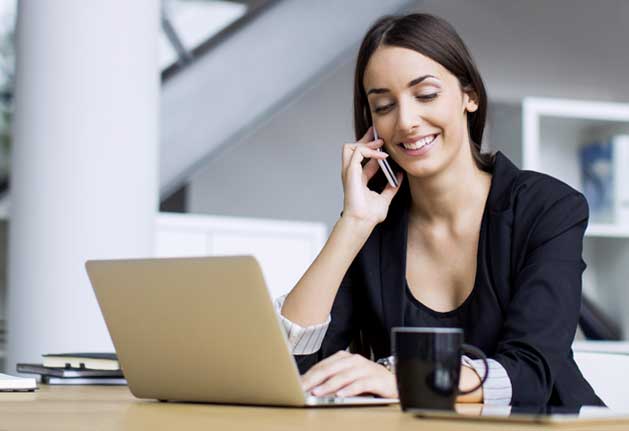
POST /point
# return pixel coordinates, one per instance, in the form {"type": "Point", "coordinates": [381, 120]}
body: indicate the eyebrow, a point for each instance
{"type": "Point", "coordinates": [410, 84]}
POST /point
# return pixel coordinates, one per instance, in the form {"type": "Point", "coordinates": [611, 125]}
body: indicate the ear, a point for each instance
{"type": "Point", "coordinates": [471, 106]}
{"type": "Point", "coordinates": [470, 101]}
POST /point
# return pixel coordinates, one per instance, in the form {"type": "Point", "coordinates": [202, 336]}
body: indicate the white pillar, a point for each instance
{"type": "Point", "coordinates": [84, 167]}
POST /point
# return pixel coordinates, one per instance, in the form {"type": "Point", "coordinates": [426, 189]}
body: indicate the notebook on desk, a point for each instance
{"type": "Point", "coordinates": [90, 361]}
{"type": "Point", "coordinates": [10, 383]}
{"type": "Point", "coordinates": [200, 329]}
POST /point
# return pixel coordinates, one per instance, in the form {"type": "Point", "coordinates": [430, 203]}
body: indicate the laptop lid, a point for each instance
{"type": "Point", "coordinates": [196, 329]}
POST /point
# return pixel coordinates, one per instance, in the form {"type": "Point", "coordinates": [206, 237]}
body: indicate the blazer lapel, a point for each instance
{"type": "Point", "coordinates": [504, 175]}
{"type": "Point", "coordinates": [499, 225]}
{"type": "Point", "coordinates": [393, 260]}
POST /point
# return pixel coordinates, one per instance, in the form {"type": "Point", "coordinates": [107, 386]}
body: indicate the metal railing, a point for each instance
{"type": "Point", "coordinates": [187, 56]}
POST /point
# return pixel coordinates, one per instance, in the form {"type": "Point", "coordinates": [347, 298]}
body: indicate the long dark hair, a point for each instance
{"type": "Point", "coordinates": [437, 39]}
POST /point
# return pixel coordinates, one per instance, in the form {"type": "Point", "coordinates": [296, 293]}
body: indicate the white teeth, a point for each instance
{"type": "Point", "coordinates": [417, 145]}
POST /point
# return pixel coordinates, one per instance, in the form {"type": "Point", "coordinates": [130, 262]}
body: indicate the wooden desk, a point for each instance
{"type": "Point", "coordinates": [114, 408]}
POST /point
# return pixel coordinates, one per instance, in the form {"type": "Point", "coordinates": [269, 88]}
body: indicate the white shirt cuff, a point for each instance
{"type": "Point", "coordinates": [302, 340]}
{"type": "Point", "coordinates": [497, 389]}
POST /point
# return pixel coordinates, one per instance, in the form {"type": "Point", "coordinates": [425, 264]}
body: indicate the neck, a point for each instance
{"type": "Point", "coordinates": [451, 195]}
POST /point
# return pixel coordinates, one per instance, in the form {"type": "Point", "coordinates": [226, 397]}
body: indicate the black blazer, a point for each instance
{"type": "Point", "coordinates": [524, 307]}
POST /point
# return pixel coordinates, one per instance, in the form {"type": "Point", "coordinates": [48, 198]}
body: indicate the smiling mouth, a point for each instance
{"type": "Point", "coordinates": [419, 144]}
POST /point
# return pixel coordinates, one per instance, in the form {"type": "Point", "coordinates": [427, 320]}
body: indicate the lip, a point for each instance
{"type": "Point", "coordinates": [421, 151]}
{"type": "Point", "coordinates": [418, 138]}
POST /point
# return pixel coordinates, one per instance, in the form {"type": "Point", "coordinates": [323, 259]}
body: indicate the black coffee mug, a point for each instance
{"type": "Point", "coordinates": [428, 364]}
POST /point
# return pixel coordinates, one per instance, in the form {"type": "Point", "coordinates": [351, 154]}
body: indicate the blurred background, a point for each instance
{"type": "Point", "coordinates": [195, 127]}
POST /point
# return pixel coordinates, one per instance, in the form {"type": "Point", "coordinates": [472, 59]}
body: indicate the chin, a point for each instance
{"type": "Point", "coordinates": [424, 172]}
{"type": "Point", "coordinates": [436, 162]}
{"type": "Point", "coordinates": [423, 168]}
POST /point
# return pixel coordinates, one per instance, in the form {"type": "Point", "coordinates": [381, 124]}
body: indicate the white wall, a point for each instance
{"type": "Point", "coordinates": [560, 48]}
{"type": "Point", "coordinates": [289, 167]}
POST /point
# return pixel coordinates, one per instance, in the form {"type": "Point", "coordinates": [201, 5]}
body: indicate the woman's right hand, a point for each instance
{"type": "Point", "coordinates": [361, 203]}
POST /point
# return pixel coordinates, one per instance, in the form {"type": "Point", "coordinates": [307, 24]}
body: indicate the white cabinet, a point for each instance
{"type": "Point", "coordinates": [546, 135]}
{"type": "Point", "coordinates": [284, 249]}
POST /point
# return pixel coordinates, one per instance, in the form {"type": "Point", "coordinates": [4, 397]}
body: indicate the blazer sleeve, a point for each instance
{"type": "Point", "coordinates": [343, 325]}
{"type": "Point", "coordinates": [543, 312]}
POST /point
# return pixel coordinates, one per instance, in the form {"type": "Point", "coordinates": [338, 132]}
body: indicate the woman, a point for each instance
{"type": "Point", "coordinates": [467, 239]}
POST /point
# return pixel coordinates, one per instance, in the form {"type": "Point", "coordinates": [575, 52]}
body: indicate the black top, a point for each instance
{"type": "Point", "coordinates": [418, 315]}
{"type": "Point", "coordinates": [524, 308]}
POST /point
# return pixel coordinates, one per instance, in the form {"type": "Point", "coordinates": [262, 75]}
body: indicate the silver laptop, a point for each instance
{"type": "Point", "coordinates": [201, 329]}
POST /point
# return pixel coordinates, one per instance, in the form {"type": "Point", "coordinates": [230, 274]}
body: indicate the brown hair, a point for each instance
{"type": "Point", "coordinates": [437, 39]}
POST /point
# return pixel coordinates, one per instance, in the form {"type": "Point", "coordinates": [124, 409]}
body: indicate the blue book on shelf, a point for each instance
{"type": "Point", "coordinates": [597, 173]}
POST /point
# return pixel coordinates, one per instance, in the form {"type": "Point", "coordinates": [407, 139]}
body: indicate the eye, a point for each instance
{"type": "Point", "coordinates": [381, 109]}
{"type": "Point", "coordinates": [423, 97]}
{"type": "Point", "coordinates": [426, 97]}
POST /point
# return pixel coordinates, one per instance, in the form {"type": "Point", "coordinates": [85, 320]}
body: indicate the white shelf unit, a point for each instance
{"type": "Point", "coordinates": [607, 231]}
{"type": "Point", "coordinates": [284, 249]}
{"type": "Point", "coordinates": [545, 135]}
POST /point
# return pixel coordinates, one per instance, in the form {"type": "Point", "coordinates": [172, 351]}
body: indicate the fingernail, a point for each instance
{"type": "Point", "coordinates": [340, 394]}
{"type": "Point", "coordinates": [316, 391]}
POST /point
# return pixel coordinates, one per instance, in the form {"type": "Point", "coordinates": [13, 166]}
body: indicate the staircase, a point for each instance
{"type": "Point", "coordinates": [256, 68]}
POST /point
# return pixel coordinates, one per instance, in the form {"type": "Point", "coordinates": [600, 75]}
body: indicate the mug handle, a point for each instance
{"type": "Point", "coordinates": [468, 349]}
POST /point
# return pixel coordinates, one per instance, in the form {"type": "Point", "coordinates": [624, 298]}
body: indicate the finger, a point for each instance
{"type": "Point", "coordinates": [389, 191]}
{"type": "Point", "coordinates": [348, 152]}
{"type": "Point", "coordinates": [340, 380]}
{"type": "Point", "coordinates": [323, 370]}
{"type": "Point", "coordinates": [368, 153]}
{"type": "Point", "coordinates": [358, 387]}
{"type": "Point", "coordinates": [354, 167]}
{"type": "Point", "coordinates": [370, 144]}
{"type": "Point", "coordinates": [374, 144]}
{"type": "Point", "coordinates": [370, 169]}
{"type": "Point", "coordinates": [346, 155]}
{"type": "Point", "coordinates": [368, 136]}
{"type": "Point", "coordinates": [348, 149]}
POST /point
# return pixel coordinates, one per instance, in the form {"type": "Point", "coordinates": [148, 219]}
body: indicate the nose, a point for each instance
{"type": "Point", "coordinates": [409, 117]}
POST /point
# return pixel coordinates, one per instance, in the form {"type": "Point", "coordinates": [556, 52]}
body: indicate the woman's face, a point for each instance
{"type": "Point", "coordinates": [418, 108]}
